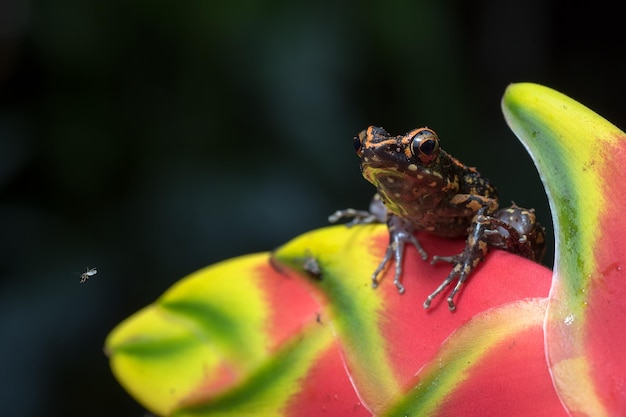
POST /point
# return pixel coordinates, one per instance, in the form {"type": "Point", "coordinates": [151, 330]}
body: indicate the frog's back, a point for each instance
{"type": "Point", "coordinates": [470, 181]}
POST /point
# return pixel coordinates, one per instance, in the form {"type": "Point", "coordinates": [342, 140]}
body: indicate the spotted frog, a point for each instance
{"type": "Point", "coordinates": [422, 188]}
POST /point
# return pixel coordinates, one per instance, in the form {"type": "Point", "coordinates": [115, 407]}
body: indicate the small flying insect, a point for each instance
{"type": "Point", "coordinates": [88, 273]}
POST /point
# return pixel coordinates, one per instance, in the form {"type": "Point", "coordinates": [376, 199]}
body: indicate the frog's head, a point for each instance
{"type": "Point", "coordinates": [415, 152]}
{"type": "Point", "coordinates": [404, 169]}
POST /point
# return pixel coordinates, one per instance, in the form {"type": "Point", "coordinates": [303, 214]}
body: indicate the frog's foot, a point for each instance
{"type": "Point", "coordinates": [460, 271]}
{"type": "Point", "coordinates": [464, 263]}
{"type": "Point", "coordinates": [454, 259]}
{"type": "Point", "coordinates": [357, 216]}
{"type": "Point", "coordinates": [377, 214]}
{"type": "Point", "coordinates": [400, 233]}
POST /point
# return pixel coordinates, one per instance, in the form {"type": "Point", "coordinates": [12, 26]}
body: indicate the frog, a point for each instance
{"type": "Point", "coordinates": [422, 188]}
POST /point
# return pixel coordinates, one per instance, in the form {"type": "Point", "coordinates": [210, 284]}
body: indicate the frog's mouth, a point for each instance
{"type": "Point", "coordinates": [394, 182]}
{"type": "Point", "coordinates": [400, 189]}
{"type": "Point", "coordinates": [381, 176]}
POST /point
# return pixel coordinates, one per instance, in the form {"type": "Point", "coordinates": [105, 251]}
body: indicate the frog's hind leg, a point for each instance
{"type": "Point", "coordinates": [476, 249]}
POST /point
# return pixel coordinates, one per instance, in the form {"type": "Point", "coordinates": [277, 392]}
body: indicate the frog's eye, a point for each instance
{"type": "Point", "coordinates": [425, 145]}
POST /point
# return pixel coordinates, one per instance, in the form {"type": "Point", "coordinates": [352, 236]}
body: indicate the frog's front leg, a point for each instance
{"type": "Point", "coordinates": [400, 233]}
{"type": "Point", "coordinates": [377, 214]}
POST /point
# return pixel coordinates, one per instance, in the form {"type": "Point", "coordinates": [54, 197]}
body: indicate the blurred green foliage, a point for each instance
{"type": "Point", "coordinates": [149, 139]}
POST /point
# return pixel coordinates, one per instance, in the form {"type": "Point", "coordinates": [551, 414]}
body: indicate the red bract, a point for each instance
{"type": "Point", "coordinates": [404, 360]}
{"type": "Point", "coordinates": [254, 336]}
{"type": "Point", "coordinates": [581, 159]}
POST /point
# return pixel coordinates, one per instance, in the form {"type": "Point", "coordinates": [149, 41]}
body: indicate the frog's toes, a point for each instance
{"type": "Point", "coordinates": [389, 253]}
{"type": "Point", "coordinates": [427, 302]}
{"type": "Point", "coordinates": [399, 286]}
{"type": "Point", "coordinates": [453, 259]}
{"type": "Point", "coordinates": [357, 216]}
{"type": "Point", "coordinates": [375, 279]}
{"type": "Point", "coordinates": [451, 305]}
{"type": "Point", "coordinates": [434, 294]}
{"type": "Point", "coordinates": [417, 245]}
{"type": "Point", "coordinates": [457, 271]}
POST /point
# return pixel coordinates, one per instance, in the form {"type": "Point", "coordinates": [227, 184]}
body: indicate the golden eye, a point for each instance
{"type": "Point", "coordinates": [425, 145]}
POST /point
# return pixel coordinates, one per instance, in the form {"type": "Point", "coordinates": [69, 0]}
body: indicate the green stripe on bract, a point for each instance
{"type": "Point", "coordinates": [150, 355]}
{"type": "Point", "coordinates": [550, 124]}
{"type": "Point", "coordinates": [353, 308]}
{"type": "Point", "coordinates": [464, 350]}
{"type": "Point", "coordinates": [266, 391]}
{"type": "Point", "coordinates": [572, 157]}
{"type": "Point", "coordinates": [204, 324]}
{"type": "Point", "coordinates": [226, 305]}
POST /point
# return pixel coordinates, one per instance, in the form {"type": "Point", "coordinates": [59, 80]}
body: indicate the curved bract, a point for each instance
{"type": "Point", "coordinates": [268, 334]}
{"type": "Point", "coordinates": [300, 331]}
{"type": "Point", "coordinates": [581, 159]}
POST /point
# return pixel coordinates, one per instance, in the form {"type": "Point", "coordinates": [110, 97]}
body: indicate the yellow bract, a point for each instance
{"type": "Point", "coordinates": [209, 325]}
{"type": "Point", "coordinates": [469, 347]}
{"type": "Point", "coordinates": [577, 153]}
{"type": "Point", "coordinates": [355, 311]}
{"type": "Point", "coordinates": [578, 393]}
{"type": "Point", "coordinates": [568, 143]}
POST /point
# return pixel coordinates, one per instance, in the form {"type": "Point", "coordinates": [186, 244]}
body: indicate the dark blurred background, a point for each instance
{"type": "Point", "coordinates": [149, 139]}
